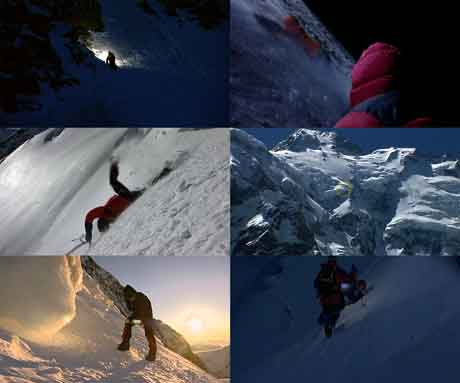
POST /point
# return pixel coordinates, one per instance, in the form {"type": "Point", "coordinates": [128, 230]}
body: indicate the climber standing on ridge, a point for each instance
{"type": "Point", "coordinates": [116, 205]}
{"type": "Point", "coordinates": [335, 289]}
{"type": "Point", "coordinates": [141, 313]}
{"type": "Point", "coordinates": [378, 96]}
{"type": "Point", "coordinates": [111, 61]}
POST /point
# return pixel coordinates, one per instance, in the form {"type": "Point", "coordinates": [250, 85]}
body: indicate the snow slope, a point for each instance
{"type": "Point", "coordinates": [316, 193]}
{"type": "Point", "coordinates": [169, 73]}
{"type": "Point", "coordinates": [48, 186]}
{"type": "Point", "coordinates": [407, 330]}
{"type": "Point", "coordinates": [217, 361]}
{"type": "Point", "coordinates": [85, 349]}
{"type": "Point", "coordinates": [273, 82]}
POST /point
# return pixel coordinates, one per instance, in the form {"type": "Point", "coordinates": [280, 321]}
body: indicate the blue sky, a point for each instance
{"type": "Point", "coordinates": [180, 288]}
{"type": "Point", "coordinates": [435, 141]}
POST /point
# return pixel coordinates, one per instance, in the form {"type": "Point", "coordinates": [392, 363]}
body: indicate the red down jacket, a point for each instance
{"type": "Point", "coordinates": [328, 282]}
{"type": "Point", "coordinates": [110, 211]}
{"type": "Point", "coordinates": [375, 97]}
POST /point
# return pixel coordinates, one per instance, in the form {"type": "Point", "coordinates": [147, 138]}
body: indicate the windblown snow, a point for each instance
{"type": "Point", "coordinates": [38, 296]}
{"type": "Point", "coordinates": [316, 193]}
{"type": "Point", "coordinates": [51, 182]}
{"type": "Point", "coordinates": [85, 349]}
{"type": "Point", "coordinates": [406, 329]}
{"type": "Point", "coordinates": [273, 81]}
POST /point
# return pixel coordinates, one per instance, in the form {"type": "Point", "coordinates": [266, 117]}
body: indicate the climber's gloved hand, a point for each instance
{"type": "Point", "coordinates": [114, 170]}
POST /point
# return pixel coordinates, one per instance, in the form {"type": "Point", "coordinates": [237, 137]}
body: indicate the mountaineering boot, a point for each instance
{"type": "Point", "coordinates": [150, 335]}
{"type": "Point", "coordinates": [151, 356]}
{"type": "Point", "coordinates": [322, 319]}
{"type": "Point", "coordinates": [328, 330]}
{"type": "Point", "coordinates": [123, 346]}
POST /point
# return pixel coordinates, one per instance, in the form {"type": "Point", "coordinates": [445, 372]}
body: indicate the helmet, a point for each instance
{"type": "Point", "coordinates": [103, 225]}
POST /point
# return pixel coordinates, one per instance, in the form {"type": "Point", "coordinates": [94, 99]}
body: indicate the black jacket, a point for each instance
{"type": "Point", "coordinates": [141, 308]}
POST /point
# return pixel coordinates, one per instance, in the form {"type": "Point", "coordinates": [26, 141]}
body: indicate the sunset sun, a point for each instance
{"type": "Point", "coordinates": [195, 325]}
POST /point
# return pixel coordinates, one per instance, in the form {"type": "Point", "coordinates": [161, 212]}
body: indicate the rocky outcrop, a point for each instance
{"type": "Point", "coordinates": [31, 56]}
{"type": "Point", "coordinates": [272, 214]}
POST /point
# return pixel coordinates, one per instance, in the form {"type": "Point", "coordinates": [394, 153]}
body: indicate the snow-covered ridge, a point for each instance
{"type": "Point", "coordinates": [271, 213]}
{"type": "Point", "coordinates": [304, 139]}
{"type": "Point", "coordinates": [85, 349]}
{"type": "Point", "coordinates": [316, 193]}
{"type": "Point", "coordinates": [55, 179]}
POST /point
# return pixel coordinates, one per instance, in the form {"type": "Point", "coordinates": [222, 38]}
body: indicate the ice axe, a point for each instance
{"type": "Point", "coordinates": [76, 247]}
{"type": "Point", "coordinates": [80, 239]}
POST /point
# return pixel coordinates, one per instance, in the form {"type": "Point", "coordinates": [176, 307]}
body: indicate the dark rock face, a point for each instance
{"type": "Point", "coordinates": [11, 139]}
{"type": "Point", "coordinates": [268, 206]}
{"type": "Point", "coordinates": [29, 57]}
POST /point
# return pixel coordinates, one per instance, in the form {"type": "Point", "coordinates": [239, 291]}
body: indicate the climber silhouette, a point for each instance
{"type": "Point", "coordinates": [111, 60]}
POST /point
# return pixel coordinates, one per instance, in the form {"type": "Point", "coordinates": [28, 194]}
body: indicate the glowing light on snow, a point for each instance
{"type": "Point", "coordinates": [100, 54]}
{"type": "Point", "coordinates": [122, 61]}
{"type": "Point", "coordinates": [195, 325]}
{"type": "Point", "coordinates": [13, 175]}
{"type": "Point", "coordinates": [125, 56]}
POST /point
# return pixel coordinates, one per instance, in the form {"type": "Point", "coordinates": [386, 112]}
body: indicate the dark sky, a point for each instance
{"type": "Point", "coordinates": [425, 31]}
{"type": "Point", "coordinates": [432, 141]}
{"type": "Point", "coordinates": [358, 23]}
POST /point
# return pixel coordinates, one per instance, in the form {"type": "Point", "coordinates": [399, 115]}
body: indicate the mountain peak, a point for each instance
{"type": "Point", "coordinates": [303, 139]}
{"type": "Point", "coordinates": [302, 198]}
